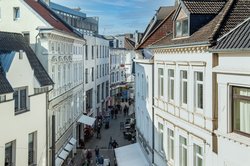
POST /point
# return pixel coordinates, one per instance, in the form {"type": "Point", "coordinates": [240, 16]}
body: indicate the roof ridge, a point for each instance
{"type": "Point", "coordinates": [227, 7]}
{"type": "Point", "coordinates": [235, 28]}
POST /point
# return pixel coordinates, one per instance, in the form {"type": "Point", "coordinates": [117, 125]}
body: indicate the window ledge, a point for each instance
{"type": "Point", "coordinates": [237, 138]}
{"type": "Point", "coordinates": [21, 111]}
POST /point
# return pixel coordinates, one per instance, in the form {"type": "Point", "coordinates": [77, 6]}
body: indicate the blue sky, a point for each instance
{"type": "Point", "coordinates": [118, 16]}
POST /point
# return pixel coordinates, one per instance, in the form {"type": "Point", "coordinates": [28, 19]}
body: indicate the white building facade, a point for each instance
{"type": "Point", "coordinates": [144, 106]}
{"type": "Point", "coordinates": [96, 84]}
{"type": "Point", "coordinates": [61, 53]}
{"type": "Point", "coordinates": [23, 105]}
{"type": "Point", "coordinates": [232, 85]}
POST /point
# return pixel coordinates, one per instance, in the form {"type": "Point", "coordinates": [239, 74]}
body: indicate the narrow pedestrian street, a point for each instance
{"type": "Point", "coordinates": [102, 143]}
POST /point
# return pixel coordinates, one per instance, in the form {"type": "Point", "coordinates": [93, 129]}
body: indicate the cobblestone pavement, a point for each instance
{"type": "Point", "coordinates": [103, 142]}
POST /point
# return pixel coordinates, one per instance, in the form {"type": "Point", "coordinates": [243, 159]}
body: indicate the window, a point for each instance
{"type": "Point", "coordinates": [184, 87]}
{"type": "Point", "coordinates": [183, 151]}
{"type": "Point", "coordinates": [92, 52]}
{"type": "Point", "coordinates": [97, 71]}
{"type": "Point", "coordinates": [107, 88]}
{"type": "Point", "coordinates": [86, 52]}
{"type": "Point", "coordinates": [198, 156]}
{"type": "Point", "coordinates": [181, 27]}
{"type": "Point", "coordinates": [64, 74]}
{"type": "Point", "coordinates": [160, 82]}
{"type": "Point", "coordinates": [171, 84]}
{"type": "Point", "coordinates": [170, 144]}
{"type": "Point", "coordinates": [86, 76]}
{"type": "Point", "coordinates": [10, 153]}
{"type": "Point", "coordinates": [92, 73]}
{"type": "Point", "coordinates": [241, 110]}
{"type": "Point", "coordinates": [199, 90]}
{"type": "Point", "coordinates": [97, 51]}
{"type": "Point", "coordinates": [32, 149]}
{"type": "Point", "coordinates": [16, 13]}
{"type": "Point", "coordinates": [102, 90]}
{"type": "Point", "coordinates": [20, 97]}
{"type": "Point", "coordinates": [2, 98]}
{"type": "Point", "coordinates": [160, 136]}
{"type": "Point", "coordinates": [100, 67]}
{"type": "Point", "coordinates": [98, 94]}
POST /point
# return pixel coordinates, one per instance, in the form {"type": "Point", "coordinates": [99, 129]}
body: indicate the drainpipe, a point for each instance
{"type": "Point", "coordinates": [47, 125]}
{"type": "Point", "coordinates": [53, 148]}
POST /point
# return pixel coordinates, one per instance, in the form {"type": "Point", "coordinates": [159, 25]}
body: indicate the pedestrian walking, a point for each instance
{"type": "Point", "coordinates": [112, 113]}
{"type": "Point", "coordinates": [114, 144]}
{"type": "Point", "coordinates": [89, 157]}
{"type": "Point", "coordinates": [110, 143]}
{"type": "Point", "coordinates": [124, 110]}
{"type": "Point", "coordinates": [116, 112]}
{"type": "Point", "coordinates": [98, 132]}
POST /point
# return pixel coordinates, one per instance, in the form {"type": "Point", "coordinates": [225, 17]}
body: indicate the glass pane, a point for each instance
{"type": "Point", "coordinates": [184, 157]}
{"type": "Point", "coordinates": [199, 162]}
{"type": "Point", "coordinates": [199, 76]}
{"type": "Point", "coordinates": [23, 99]}
{"type": "Point", "coordinates": [15, 97]}
{"type": "Point", "coordinates": [200, 96]}
{"type": "Point", "coordinates": [184, 74]}
{"type": "Point", "coordinates": [172, 149]}
{"type": "Point", "coordinates": [178, 28]}
{"type": "Point", "coordinates": [171, 72]}
{"type": "Point", "coordinates": [184, 92]}
{"type": "Point", "coordinates": [172, 89]}
{"type": "Point", "coordinates": [242, 115]}
{"type": "Point", "coordinates": [185, 27]}
{"type": "Point", "coordinates": [241, 91]}
{"type": "Point", "coordinates": [8, 153]}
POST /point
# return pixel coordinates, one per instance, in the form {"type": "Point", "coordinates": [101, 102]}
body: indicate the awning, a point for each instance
{"type": "Point", "coordinates": [86, 120]}
{"type": "Point", "coordinates": [72, 141]}
{"type": "Point", "coordinates": [64, 154]}
{"type": "Point", "coordinates": [131, 155]}
{"type": "Point", "coordinates": [68, 147]}
{"type": "Point", "coordinates": [59, 161]}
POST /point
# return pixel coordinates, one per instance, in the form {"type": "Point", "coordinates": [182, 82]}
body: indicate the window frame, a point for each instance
{"type": "Point", "coordinates": [182, 81]}
{"type": "Point", "coordinates": [34, 148]}
{"type": "Point", "coordinates": [171, 90]}
{"type": "Point", "coordinates": [18, 109]}
{"type": "Point", "coordinates": [169, 144]}
{"type": "Point", "coordinates": [16, 13]}
{"type": "Point", "coordinates": [196, 83]}
{"type": "Point", "coordinates": [161, 83]}
{"type": "Point", "coordinates": [13, 152]}
{"type": "Point", "coordinates": [181, 27]}
{"type": "Point", "coordinates": [245, 98]}
{"type": "Point", "coordinates": [197, 155]}
{"type": "Point", "coordinates": [181, 151]}
{"type": "Point", "coordinates": [161, 137]}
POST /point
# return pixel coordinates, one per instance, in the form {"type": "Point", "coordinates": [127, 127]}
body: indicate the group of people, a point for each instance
{"type": "Point", "coordinates": [114, 111]}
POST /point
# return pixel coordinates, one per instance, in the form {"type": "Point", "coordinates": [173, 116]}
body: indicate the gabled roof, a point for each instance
{"type": "Point", "coordinates": [165, 13]}
{"type": "Point", "coordinates": [233, 13]}
{"type": "Point", "coordinates": [16, 42]}
{"type": "Point", "coordinates": [51, 17]}
{"type": "Point", "coordinates": [237, 39]}
{"type": "Point", "coordinates": [204, 6]}
{"type": "Point", "coordinates": [5, 86]}
{"type": "Point", "coordinates": [129, 44]}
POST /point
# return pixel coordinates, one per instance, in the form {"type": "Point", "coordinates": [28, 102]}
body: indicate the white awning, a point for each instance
{"type": "Point", "coordinates": [86, 120]}
{"type": "Point", "coordinates": [130, 155]}
{"type": "Point", "coordinates": [59, 161]}
{"type": "Point", "coordinates": [72, 141]}
{"type": "Point", "coordinates": [64, 154]}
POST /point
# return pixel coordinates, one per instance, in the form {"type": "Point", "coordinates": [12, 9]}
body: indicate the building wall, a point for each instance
{"type": "Point", "coordinates": [55, 50]}
{"type": "Point", "coordinates": [17, 127]}
{"type": "Point", "coordinates": [194, 124]}
{"type": "Point", "coordinates": [100, 64]}
{"type": "Point", "coordinates": [143, 105]}
{"type": "Point", "coordinates": [232, 70]}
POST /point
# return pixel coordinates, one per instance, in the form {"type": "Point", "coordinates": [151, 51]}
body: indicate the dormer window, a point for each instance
{"type": "Point", "coordinates": [181, 27]}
